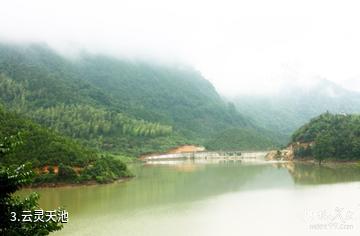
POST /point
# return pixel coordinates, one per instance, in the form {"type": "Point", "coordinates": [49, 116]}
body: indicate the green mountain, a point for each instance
{"type": "Point", "coordinates": [110, 104]}
{"type": "Point", "coordinates": [329, 136]}
{"type": "Point", "coordinates": [294, 105]}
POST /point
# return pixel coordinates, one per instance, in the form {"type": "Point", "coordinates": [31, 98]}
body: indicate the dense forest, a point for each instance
{"type": "Point", "coordinates": [116, 105]}
{"type": "Point", "coordinates": [329, 136]}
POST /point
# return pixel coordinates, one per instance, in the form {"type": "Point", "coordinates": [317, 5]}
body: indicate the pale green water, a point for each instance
{"type": "Point", "coordinates": [215, 199]}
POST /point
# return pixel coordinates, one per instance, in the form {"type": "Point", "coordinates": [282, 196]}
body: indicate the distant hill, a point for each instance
{"type": "Point", "coordinates": [294, 105]}
{"type": "Point", "coordinates": [232, 139]}
{"type": "Point", "coordinates": [116, 105]}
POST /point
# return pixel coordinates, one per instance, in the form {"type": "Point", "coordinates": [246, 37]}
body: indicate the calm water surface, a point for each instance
{"type": "Point", "coordinates": [188, 198]}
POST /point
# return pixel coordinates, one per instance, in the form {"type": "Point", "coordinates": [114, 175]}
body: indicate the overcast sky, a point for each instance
{"type": "Point", "coordinates": [240, 46]}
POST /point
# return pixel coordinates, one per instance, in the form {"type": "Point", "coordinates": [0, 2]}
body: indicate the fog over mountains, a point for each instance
{"type": "Point", "coordinates": [240, 46]}
{"type": "Point", "coordinates": [294, 104]}
{"type": "Point", "coordinates": [174, 95]}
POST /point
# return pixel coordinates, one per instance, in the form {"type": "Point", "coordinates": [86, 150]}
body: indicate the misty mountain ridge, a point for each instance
{"type": "Point", "coordinates": [294, 104]}
{"type": "Point", "coordinates": [322, 85]}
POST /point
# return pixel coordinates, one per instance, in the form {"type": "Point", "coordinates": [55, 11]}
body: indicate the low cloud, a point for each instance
{"type": "Point", "coordinates": [240, 46]}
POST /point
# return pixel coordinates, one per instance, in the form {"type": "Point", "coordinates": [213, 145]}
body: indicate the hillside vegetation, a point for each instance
{"type": "Point", "coordinates": [54, 156]}
{"type": "Point", "coordinates": [329, 136]}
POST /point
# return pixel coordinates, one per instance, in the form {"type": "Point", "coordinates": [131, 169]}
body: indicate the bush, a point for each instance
{"type": "Point", "coordinates": [45, 178]}
{"type": "Point", "coordinates": [51, 170]}
{"type": "Point", "coordinates": [105, 169]}
{"type": "Point", "coordinates": [66, 173]}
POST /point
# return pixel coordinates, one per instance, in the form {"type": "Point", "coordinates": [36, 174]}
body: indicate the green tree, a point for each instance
{"type": "Point", "coordinates": [11, 180]}
{"type": "Point", "coordinates": [323, 147]}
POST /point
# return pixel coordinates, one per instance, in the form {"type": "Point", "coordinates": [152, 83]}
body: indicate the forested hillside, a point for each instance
{"type": "Point", "coordinates": [123, 106]}
{"type": "Point", "coordinates": [329, 136]}
{"type": "Point", "coordinates": [175, 95]}
{"type": "Point", "coordinates": [294, 105]}
{"type": "Point", "coordinates": [40, 146]}
{"type": "Point", "coordinates": [54, 157]}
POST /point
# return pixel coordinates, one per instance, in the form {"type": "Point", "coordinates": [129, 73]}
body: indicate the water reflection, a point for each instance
{"type": "Point", "coordinates": [308, 173]}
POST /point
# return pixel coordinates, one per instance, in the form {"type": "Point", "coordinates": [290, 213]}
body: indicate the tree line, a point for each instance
{"type": "Point", "coordinates": [84, 121]}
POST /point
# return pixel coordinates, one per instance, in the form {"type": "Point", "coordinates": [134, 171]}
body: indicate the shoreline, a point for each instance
{"type": "Point", "coordinates": [71, 185]}
{"type": "Point", "coordinates": [174, 150]}
{"type": "Point", "coordinates": [324, 161]}
{"type": "Point", "coordinates": [328, 163]}
{"type": "Point", "coordinates": [289, 155]}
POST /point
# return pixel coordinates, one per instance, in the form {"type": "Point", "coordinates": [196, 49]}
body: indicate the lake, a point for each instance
{"type": "Point", "coordinates": [187, 197]}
